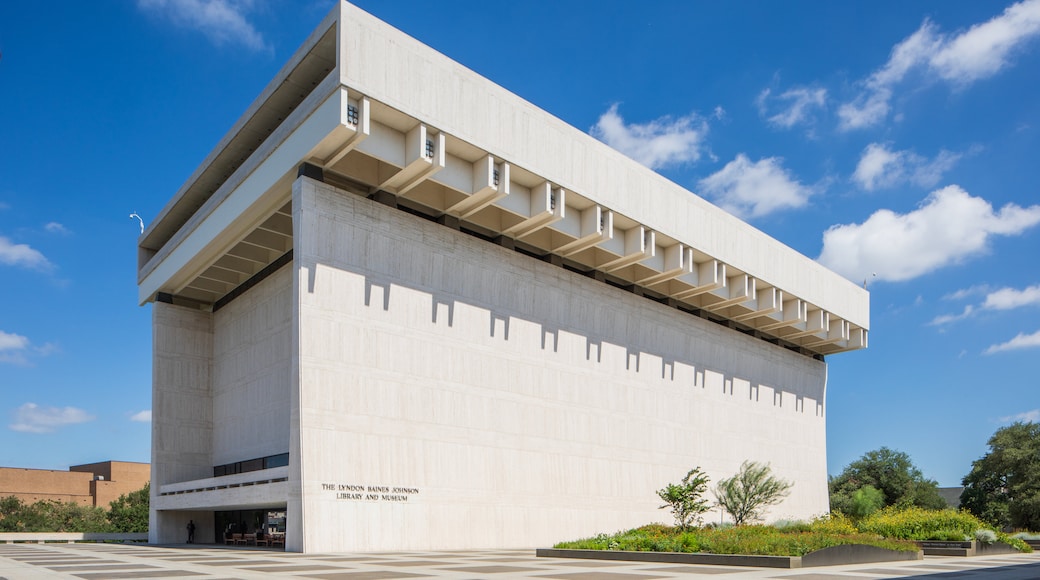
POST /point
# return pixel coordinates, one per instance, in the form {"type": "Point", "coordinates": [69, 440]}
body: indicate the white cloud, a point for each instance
{"type": "Point", "coordinates": [665, 141]}
{"type": "Point", "coordinates": [1002, 299]}
{"type": "Point", "coordinates": [966, 292]}
{"type": "Point", "coordinates": [948, 318]}
{"type": "Point", "coordinates": [756, 189]}
{"type": "Point", "coordinates": [797, 106]}
{"type": "Point", "coordinates": [1008, 298]}
{"type": "Point", "coordinates": [56, 228]}
{"type": "Point", "coordinates": [880, 167]}
{"type": "Point", "coordinates": [31, 418]}
{"type": "Point", "coordinates": [12, 254]}
{"type": "Point", "coordinates": [984, 49]}
{"type": "Point", "coordinates": [1027, 417]}
{"type": "Point", "coordinates": [948, 227]}
{"type": "Point", "coordinates": [142, 416]}
{"type": "Point", "coordinates": [15, 349]}
{"type": "Point", "coordinates": [980, 52]}
{"type": "Point", "coordinates": [1019, 342]}
{"type": "Point", "coordinates": [719, 113]}
{"type": "Point", "coordinates": [222, 21]}
{"type": "Point", "coordinates": [10, 341]}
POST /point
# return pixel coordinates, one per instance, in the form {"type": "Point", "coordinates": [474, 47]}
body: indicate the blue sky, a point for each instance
{"type": "Point", "coordinates": [896, 142]}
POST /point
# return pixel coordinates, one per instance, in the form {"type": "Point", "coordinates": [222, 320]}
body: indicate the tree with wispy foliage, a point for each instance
{"type": "Point", "coordinates": [129, 513]}
{"type": "Point", "coordinates": [890, 472]}
{"type": "Point", "coordinates": [686, 498]}
{"type": "Point", "coordinates": [1003, 487]}
{"type": "Point", "coordinates": [746, 495]}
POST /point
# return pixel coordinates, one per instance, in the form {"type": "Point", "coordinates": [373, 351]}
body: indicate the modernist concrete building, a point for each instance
{"type": "Point", "coordinates": [91, 484]}
{"type": "Point", "coordinates": [402, 308]}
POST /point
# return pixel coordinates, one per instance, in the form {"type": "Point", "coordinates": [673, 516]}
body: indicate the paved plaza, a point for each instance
{"type": "Point", "coordinates": [118, 561]}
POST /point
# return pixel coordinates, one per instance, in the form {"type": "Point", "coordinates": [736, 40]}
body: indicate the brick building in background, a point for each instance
{"type": "Point", "coordinates": [92, 484]}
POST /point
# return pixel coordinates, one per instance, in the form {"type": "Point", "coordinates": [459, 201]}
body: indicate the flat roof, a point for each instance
{"type": "Point", "coordinates": [381, 114]}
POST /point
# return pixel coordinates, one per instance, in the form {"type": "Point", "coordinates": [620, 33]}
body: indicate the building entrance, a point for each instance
{"type": "Point", "coordinates": [247, 526]}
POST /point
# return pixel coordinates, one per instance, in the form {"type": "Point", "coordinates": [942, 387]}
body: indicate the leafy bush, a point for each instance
{"type": "Point", "coordinates": [1016, 543]}
{"type": "Point", "coordinates": [50, 516]}
{"type": "Point", "coordinates": [865, 501]}
{"type": "Point", "coordinates": [947, 525]}
{"type": "Point", "coordinates": [914, 523]}
{"type": "Point", "coordinates": [129, 513]}
{"type": "Point", "coordinates": [759, 540]}
{"type": "Point", "coordinates": [835, 523]}
{"type": "Point", "coordinates": [792, 526]}
{"type": "Point", "coordinates": [986, 536]}
{"type": "Point", "coordinates": [1026, 536]}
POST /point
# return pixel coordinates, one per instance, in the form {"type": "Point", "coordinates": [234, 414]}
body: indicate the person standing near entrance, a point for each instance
{"type": "Point", "coordinates": [191, 531]}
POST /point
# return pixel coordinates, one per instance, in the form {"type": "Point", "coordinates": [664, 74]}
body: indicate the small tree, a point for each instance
{"type": "Point", "coordinates": [865, 501]}
{"type": "Point", "coordinates": [751, 490]}
{"type": "Point", "coordinates": [129, 513]}
{"type": "Point", "coordinates": [685, 499]}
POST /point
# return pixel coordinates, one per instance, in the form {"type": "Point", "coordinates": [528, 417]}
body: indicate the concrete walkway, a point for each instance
{"type": "Point", "coordinates": [118, 561]}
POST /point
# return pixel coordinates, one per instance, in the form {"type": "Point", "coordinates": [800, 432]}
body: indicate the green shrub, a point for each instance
{"type": "Point", "coordinates": [835, 523]}
{"type": "Point", "coordinates": [914, 523]}
{"type": "Point", "coordinates": [1016, 543]}
{"type": "Point", "coordinates": [759, 540]}
{"type": "Point", "coordinates": [986, 536]}
{"type": "Point", "coordinates": [865, 501]}
{"type": "Point", "coordinates": [792, 526]}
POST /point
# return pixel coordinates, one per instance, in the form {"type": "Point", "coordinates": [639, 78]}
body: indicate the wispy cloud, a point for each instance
{"type": "Point", "coordinates": [976, 290]}
{"type": "Point", "coordinates": [16, 349]}
{"type": "Point", "coordinates": [1027, 417]}
{"type": "Point", "coordinates": [142, 416]}
{"type": "Point", "coordinates": [56, 228]}
{"type": "Point", "coordinates": [950, 318]}
{"type": "Point", "coordinates": [880, 167]}
{"type": "Point", "coordinates": [13, 348]}
{"type": "Point", "coordinates": [1002, 299]}
{"type": "Point", "coordinates": [22, 255]}
{"type": "Point", "coordinates": [961, 59]}
{"type": "Point", "coordinates": [659, 143]}
{"type": "Point", "coordinates": [1019, 342]}
{"type": "Point", "coordinates": [32, 418]}
{"type": "Point", "coordinates": [756, 189]}
{"type": "Point", "coordinates": [1008, 298]}
{"type": "Point", "coordinates": [948, 227]}
{"type": "Point", "coordinates": [221, 21]}
{"type": "Point", "coordinates": [793, 106]}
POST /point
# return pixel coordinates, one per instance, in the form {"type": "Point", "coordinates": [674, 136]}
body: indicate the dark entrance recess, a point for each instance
{"type": "Point", "coordinates": [262, 522]}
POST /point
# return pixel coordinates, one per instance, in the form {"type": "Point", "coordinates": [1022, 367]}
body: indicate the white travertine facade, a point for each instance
{"type": "Point", "coordinates": [468, 324]}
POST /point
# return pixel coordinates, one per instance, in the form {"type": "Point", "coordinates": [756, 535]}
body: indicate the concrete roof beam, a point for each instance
{"type": "Point", "coordinates": [792, 311]}
{"type": "Point", "coordinates": [424, 155]}
{"type": "Point", "coordinates": [706, 277]}
{"type": "Point", "coordinates": [547, 206]}
{"type": "Point", "coordinates": [596, 227]}
{"type": "Point", "coordinates": [639, 244]}
{"type": "Point", "coordinates": [676, 260]}
{"type": "Point", "coordinates": [817, 321]}
{"type": "Point", "coordinates": [768, 301]}
{"type": "Point", "coordinates": [490, 184]}
{"type": "Point", "coordinates": [738, 289]}
{"type": "Point", "coordinates": [355, 124]}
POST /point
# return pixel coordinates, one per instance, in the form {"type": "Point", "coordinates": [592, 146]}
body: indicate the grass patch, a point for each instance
{"type": "Point", "coordinates": [751, 540]}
